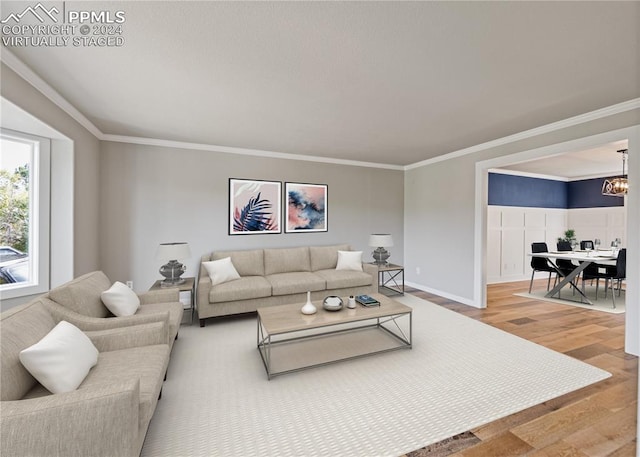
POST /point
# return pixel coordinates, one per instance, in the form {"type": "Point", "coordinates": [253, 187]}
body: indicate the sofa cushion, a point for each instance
{"type": "Point", "coordinates": [120, 300]}
{"type": "Point", "coordinates": [295, 282]}
{"type": "Point", "coordinates": [349, 260]}
{"type": "Point", "coordinates": [21, 327]}
{"type": "Point", "coordinates": [82, 295]}
{"type": "Point", "coordinates": [325, 257]}
{"type": "Point", "coordinates": [246, 263]}
{"type": "Point", "coordinates": [286, 260]}
{"type": "Point", "coordinates": [147, 363]}
{"type": "Point", "coordinates": [221, 271]}
{"type": "Point", "coordinates": [244, 288]}
{"type": "Point", "coordinates": [340, 279]}
{"type": "Point", "coordinates": [61, 359]}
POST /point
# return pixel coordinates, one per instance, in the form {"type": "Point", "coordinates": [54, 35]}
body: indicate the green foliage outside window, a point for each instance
{"type": "Point", "coordinates": [14, 208]}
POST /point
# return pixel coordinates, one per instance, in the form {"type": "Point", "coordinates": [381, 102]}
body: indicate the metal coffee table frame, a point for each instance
{"type": "Point", "coordinates": [386, 323]}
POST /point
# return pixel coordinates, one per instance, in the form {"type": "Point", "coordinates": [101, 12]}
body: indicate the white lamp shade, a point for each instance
{"type": "Point", "coordinates": [173, 251]}
{"type": "Point", "coordinates": [380, 240]}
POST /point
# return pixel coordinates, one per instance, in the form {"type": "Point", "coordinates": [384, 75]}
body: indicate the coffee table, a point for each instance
{"type": "Point", "coordinates": [327, 337]}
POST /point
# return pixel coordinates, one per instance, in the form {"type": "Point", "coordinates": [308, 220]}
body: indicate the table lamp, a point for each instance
{"type": "Point", "coordinates": [380, 241]}
{"type": "Point", "coordinates": [173, 269]}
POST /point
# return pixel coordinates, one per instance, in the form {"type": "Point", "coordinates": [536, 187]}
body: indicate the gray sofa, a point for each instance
{"type": "Point", "coordinates": [279, 276]}
{"type": "Point", "coordinates": [107, 415]}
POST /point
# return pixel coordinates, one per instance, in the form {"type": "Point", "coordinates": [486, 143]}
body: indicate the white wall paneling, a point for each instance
{"type": "Point", "coordinates": [604, 223]}
{"type": "Point", "coordinates": [510, 232]}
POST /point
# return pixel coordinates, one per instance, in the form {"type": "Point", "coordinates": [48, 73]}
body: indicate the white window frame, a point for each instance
{"type": "Point", "coordinates": [39, 217]}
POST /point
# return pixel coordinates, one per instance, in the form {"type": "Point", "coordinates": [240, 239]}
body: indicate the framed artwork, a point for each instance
{"type": "Point", "coordinates": [255, 206]}
{"type": "Point", "coordinates": [306, 209]}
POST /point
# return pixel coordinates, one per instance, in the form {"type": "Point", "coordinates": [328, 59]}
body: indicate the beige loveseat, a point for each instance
{"type": "Point", "coordinates": [107, 415]}
{"type": "Point", "coordinates": [279, 276]}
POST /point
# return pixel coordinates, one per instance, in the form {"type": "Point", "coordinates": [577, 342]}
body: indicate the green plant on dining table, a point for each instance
{"type": "Point", "coordinates": [569, 235]}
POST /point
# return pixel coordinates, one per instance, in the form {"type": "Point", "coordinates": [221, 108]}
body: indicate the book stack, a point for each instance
{"type": "Point", "coordinates": [367, 300]}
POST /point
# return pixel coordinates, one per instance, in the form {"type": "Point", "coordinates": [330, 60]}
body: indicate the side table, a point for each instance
{"type": "Point", "coordinates": [187, 293]}
{"type": "Point", "coordinates": [391, 278]}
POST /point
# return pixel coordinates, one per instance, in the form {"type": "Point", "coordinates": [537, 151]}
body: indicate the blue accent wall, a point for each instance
{"type": "Point", "coordinates": [509, 190]}
{"type": "Point", "coordinates": [587, 193]}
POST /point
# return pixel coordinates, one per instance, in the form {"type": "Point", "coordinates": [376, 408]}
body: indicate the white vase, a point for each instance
{"type": "Point", "coordinates": [308, 307]}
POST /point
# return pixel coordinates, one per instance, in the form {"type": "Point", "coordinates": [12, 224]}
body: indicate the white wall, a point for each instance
{"type": "Point", "coordinates": [152, 194]}
{"type": "Point", "coordinates": [511, 230]}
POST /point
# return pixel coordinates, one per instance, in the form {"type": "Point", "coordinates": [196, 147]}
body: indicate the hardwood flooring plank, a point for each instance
{"type": "Point", "coordinates": [503, 444]}
{"type": "Point", "coordinates": [558, 424]}
{"type": "Point", "coordinates": [558, 449]}
{"type": "Point", "coordinates": [606, 435]}
{"type": "Point", "coordinates": [628, 450]}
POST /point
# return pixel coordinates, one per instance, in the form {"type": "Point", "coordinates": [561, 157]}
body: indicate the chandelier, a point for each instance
{"type": "Point", "coordinates": [617, 187]}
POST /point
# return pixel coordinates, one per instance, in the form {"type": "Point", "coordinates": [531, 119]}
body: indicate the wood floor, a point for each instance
{"type": "Point", "coordinates": [596, 421]}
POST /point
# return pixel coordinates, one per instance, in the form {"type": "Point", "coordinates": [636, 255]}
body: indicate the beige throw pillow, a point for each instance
{"type": "Point", "coordinates": [221, 271]}
{"type": "Point", "coordinates": [120, 300]}
{"type": "Point", "coordinates": [349, 260]}
{"type": "Point", "coordinates": [61, 359]}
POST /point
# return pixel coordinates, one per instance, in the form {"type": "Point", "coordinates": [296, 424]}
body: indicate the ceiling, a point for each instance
{"type": "Point", "coordinates": [384, 82]}
{"type": "Point", "coordinates": [601, 161]}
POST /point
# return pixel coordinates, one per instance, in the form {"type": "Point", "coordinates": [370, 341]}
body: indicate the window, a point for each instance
{"type": "Point", "coordinates": [24, 214]}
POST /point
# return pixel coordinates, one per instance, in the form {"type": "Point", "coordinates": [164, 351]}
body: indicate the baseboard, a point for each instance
{"type": "Point", "coordinates": [463, 300]}
{"type": "Point", "coordinates": [510, 279]}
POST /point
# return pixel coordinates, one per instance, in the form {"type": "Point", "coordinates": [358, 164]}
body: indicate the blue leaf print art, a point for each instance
{"type": "Point", "coordinates": [254, 206]}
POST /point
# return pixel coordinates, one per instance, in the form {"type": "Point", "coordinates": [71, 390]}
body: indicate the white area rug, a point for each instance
{"type": "Point", "coordinates": [460, 374]}
{"type": "Point", "coordinates": [600, 304]}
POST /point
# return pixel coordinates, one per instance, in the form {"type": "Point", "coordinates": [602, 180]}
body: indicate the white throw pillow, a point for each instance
{"type": "Point", "coordinates": [120, 299]}
{"type": "Point", "coordinates": [349, 260]}
{"type": "Point", "coordinates": [61, 359]}
{"type": "Point", "coordinates": [221, 271]}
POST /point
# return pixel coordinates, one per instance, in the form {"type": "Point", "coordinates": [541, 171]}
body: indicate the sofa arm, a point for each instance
{"type": "Point", "coordinates": [373, 271]}
{"type": "Point", "coordinates": [204, 287]}
{"type": "Point", "coordinates": [159, 296]}
{"type": "Point", "coordinates": [115, 339]}
{"type": "Point", "coordinates": [98, 421]}
{"type": "Point", "coordinates": [87, 323]}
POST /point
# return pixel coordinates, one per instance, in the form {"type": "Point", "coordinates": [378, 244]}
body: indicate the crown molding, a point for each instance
{"type": "Point", "coordinates": [629, 105]}
{"type": "Point", "coordinates": [526, 174]}
{"type": "Point", "coordinates": [26, 73]}
{"type": "Point", "coordinates": [243, 151]}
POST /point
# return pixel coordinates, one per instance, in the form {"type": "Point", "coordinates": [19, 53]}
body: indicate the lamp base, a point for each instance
{"type": "Point", "coordinates": [172, 272]}
{"type": "Point", "coordinates": [172, 282]}
{"type": "Point", "coordinates": [380, 255]}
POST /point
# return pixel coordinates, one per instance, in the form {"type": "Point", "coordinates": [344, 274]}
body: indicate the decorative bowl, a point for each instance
{"type": "Point", "coordinates": [332, 303]}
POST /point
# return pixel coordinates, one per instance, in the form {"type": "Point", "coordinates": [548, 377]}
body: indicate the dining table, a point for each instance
{"type": "Point", "coordinates": [581, 259]}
